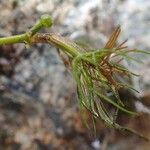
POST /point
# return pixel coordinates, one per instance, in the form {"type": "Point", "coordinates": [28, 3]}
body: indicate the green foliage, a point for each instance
{"type": "Point", "coordinates": [95, 72]}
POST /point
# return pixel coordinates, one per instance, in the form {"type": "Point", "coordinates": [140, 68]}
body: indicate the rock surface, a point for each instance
{"type": "Point", "coordinates": [38, 107]}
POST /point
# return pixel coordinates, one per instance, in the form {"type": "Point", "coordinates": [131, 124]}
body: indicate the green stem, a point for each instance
{"type": "Point", "coordinates": [57, 41]}
{"type": "Point", "coordinates": [32, 37]}
{"type": "Point", "coordinates": [14, 39]}
{"type": "Point", "coordinates": [44, 21]}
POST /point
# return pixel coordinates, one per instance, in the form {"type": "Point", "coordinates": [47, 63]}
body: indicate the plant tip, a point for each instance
{"type": "Point", "coordinates": [46, 20]}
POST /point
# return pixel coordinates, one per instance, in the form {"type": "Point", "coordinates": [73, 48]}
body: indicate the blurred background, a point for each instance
{"type": "Point", "coordinates": [38, 102]}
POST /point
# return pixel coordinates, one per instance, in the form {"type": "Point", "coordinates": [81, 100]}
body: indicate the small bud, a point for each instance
{"type": "Point", "coordinates": [46, 20]}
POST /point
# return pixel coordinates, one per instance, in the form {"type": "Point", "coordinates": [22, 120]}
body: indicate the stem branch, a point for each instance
{"type": "Point", "coordinates": [44, 21]}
